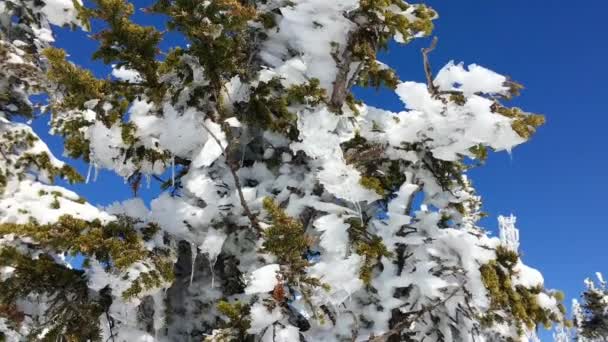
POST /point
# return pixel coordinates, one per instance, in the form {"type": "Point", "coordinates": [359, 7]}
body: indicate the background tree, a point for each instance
{"type": "Point", "coordinates": [290, 209]}
{"type": "Point", "coordinates": [591, 314]}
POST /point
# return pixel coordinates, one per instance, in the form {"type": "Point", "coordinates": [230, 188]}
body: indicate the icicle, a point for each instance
{"type": "Point", "coordinates": [510, 153]}
{"type": "Point", "coordinates": [159, 312]}
{"type": "Point", "coordinates": [243, 158]}
{"type": "Point", "coordinates": [89, 172]}
{"type": "Point", "coordinates": [173, 171]}
{"type": "Point", "coordinates": [212, 267]}
{"type": "Point", "coordinates": [96, 169]}
{"type": "Point", "coordinates": [359, 211]}
{"type": "Point", "coordinates": [194, 254]}
{"type": "Point", "coordinates": [212, 246]}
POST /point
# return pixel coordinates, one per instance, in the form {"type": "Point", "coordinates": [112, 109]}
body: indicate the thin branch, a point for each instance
{"type": "Point", "coordinates": [428, 71]}
{"type": "Point", "coordinates": [3, 154]}
{"type": "Point", "coordinates": [162, 181]}
{"type": "Point", "coordinates": [355, 75]}
{"type": "Point", "coordinates": [253, 218]}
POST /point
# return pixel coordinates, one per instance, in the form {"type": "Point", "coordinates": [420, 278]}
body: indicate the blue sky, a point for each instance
{"type": "Point", "coordinates": [556, 184]}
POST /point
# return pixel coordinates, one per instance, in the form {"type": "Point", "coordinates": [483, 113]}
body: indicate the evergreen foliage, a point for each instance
{"type": "Point", "coordinates": [590, 316]}
{"type": "Point", "coordinates": [292, 208]}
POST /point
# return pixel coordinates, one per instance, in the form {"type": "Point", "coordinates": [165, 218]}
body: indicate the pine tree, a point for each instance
{"type": "Point", "coordinates": [591, 314]}
{"type": "Point", "coordinates": [290, 209]}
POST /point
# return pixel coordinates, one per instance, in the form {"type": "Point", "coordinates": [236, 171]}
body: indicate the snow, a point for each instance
{"type": "Point", "coordinates": [343, 181]}
{"type": "Point", "coordinates": [6, 272]}
{"type": "Point", "coordinates": [297, 30]}
{"type": "Point", "coordinates": [316, 134]}
{"type": "Point", "coordinates": [6, 327]}
{"type": "Point", "coordinates": [309, 174]}
{"type": "Point", "coordinates": [177, 215]}
{"type": "Point", "coordinates": [212, 149]}
{"type": "Point", "coordinates": [342, 273]}
{"type": "Point", "coordinates": [287, 334]}
{"type": "Point", "coordinates": [279, 333]}
{"type": "Point", "coordinates": [212, 246]}
{"type": "Point", "coordinates": [475, 79]}
{"type": "Point", "coordinates": [451, 131]}
{"type": "Point", "coordinates": [181, 133]}
{"type": "Point", "coordinates": [262, 280]}
{"type": "Point", "coordinates": [201, 186]}
{"type": "Point", "coordinates": [335, 234]}
{"type": "Point", "coordinates": [527, 276]}
{"type": "Point", "coordinates": [23, 200]}
{"type": "Point", "coordinates": [105, 146]}
{"type": "Point", "coordinates": [134, 207]}
{"type": "Point", "coordinates": [208, 154]}
{"type": "Point", "coordinates": [125, 74]}
{"type": "Point", "coordinates": [546, 301]}
{"type": "Point", "coordinates": [233, 122]}
{"type": "Point", "coordinates": [60, 12]}
{"type": "Point", "coordinates": [235, 91]}
{"type": "Point", "coordinates": [261, 317]}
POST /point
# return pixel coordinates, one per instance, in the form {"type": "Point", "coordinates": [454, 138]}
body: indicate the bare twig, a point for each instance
{"type": "Point", "coordinates": [427, 66]}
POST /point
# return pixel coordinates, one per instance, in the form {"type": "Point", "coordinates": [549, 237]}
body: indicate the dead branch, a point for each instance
{"type": "Point", "coordinates": [428, 71]}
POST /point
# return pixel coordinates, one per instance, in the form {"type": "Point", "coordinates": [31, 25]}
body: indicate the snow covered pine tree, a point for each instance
{"type": "Point", "coordinates": [591, 316]}
{"type": "Point", "coordinates": [290, 210]}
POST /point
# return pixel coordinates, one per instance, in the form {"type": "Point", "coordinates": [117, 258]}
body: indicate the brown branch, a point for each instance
{"type": "Point", "coordinates": [252, 218]}
{"type": "Point", "coordinates": [428, 71]}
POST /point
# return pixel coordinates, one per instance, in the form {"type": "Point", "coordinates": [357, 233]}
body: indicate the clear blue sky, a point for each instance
{"type": "Point", "coordinates": [556, 184]}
